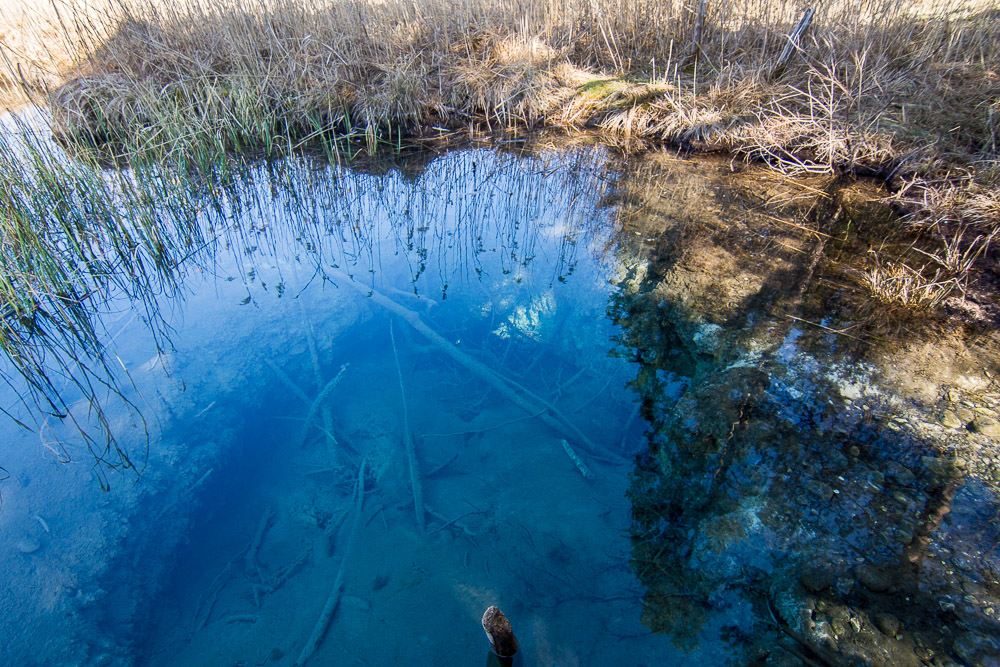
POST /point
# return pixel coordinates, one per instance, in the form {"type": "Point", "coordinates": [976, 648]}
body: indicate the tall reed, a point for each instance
{"type": "Point", "coordinates": [871, 81]}
{"type": "Point", "coordinates": [80, 239]}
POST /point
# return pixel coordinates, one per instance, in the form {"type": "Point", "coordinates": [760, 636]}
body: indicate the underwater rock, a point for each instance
{"type": "Point", "coordinates": [942, 467]}
{"type": "Point", "coordinates": [900, 473]}
{"type": "Point", "coordinates": [821, 490]}
{"type": "Point", "coordinates": [707, 338]}
{"type": "Point", "coordinates": [873, 578]}
{"type": "Point", "coordinates": [976, 649]}
{"type": "Point", "coordinates": [27, 545]}
{"type": "Point", "coordinates": [816, 579]}
{"type": "Point", "coordinates": [26, 532]}
{"type": "Point", "coordinates": [987, 426]}
{"type": "Point", "coordinates": [950, 420]}
{"type": "Point", "coordinates": [850, 637]}
{"type": "Point", "coordinates": [841, 623]}
{"type": "Point", "coordinates": [888, 624]}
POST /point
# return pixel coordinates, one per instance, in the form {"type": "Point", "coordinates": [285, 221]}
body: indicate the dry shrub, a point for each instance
{"type": "Point", "coordinates": [874, 67]}
{"type": "Point", "coordinates": [508, 79]}
{"type": "Point", "coordinates": [668, 120]}
{"type": "Point", "coordinates": [40, 43]}
{"type": "Point", "coordinates": [956, 223]}
{"type": "Point", "coordinates": [796, 144]}
{"type": "Point", "coordinates": [970, 205]}
{"type": "Point", "coordinates": [896, 284]}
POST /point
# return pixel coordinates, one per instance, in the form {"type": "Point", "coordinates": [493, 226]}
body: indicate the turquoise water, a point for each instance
{"type": "Point", "coordinates": [506, 261]}
{"type": "Point", "coordinates": [368, 403]}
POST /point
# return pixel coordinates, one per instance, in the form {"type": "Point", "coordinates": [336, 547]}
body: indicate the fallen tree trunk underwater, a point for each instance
{"type": "Point", "coordinates": [333, 599]}
{"type": "Point", "coordinates": [551, 415]}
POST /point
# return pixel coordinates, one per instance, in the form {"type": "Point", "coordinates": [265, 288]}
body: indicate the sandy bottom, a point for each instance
{"type": "Point", "coordinates": [510, 520]}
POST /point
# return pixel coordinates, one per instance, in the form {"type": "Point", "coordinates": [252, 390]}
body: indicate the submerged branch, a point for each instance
{"type": "Point", "coordinates": [330, 607]}
{"type": "Point", "coordinates": [509, 389]}
{"type": "Point", "coordinates": [411, 454]}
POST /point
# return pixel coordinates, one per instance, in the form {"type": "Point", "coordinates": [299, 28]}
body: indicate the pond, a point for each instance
{"type": "Point", "coordinates": [609, 396]}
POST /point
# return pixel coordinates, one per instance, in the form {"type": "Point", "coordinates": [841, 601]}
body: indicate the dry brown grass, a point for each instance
{"type": "Point", "coordinates": [870, 71]}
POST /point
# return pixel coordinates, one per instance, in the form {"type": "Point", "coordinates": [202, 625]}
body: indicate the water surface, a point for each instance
{"type": "Point", "coordinates": [645, 420]}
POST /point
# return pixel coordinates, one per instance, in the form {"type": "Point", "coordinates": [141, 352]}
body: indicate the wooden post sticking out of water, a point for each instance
{"type": "Point", "coordinates": [498, 631]}
{"type": "Point", "coordinates": [699, 20]}
{"type": "Point", "coordinates": [793, 43]}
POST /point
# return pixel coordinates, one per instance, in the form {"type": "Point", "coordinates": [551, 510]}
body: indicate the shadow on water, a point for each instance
{"type": "Point", "coordinates": [390, 387]}
{"type": "Point", "coordinates": [786, 484]}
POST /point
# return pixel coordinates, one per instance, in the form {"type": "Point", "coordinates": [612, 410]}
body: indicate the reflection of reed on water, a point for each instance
{"type": "Point", "coordinates": [81, 241]}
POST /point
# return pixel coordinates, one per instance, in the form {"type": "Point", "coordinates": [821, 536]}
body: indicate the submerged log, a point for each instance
{"type": "Point", "coordinates": [208, 599]}
{"type": "Point", "coordinates": [287, 381]}
{"type": "Point", "coordinates": [251, 567]}
{"type": "Point", "coordinates": [498, 631]}
{"type": "Point", "coordinates": [552, 416]}
{"type": "Point", "coordinates": [577, 461]}
{"type": "Point", "coordinates": [318, 375]}
{"type": "Point", "coordinates": [317, 404]}
{"type": "Point", "coordinates": [411, 452]}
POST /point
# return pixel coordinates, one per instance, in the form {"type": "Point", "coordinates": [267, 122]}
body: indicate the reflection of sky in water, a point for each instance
{"type": "Point", "coordinates": [503, 257]}
{"type": "Point", "coordinates": [779, 489]}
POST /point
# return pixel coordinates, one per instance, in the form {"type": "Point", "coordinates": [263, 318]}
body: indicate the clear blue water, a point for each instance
{"type": "Point", "coordinates": [735, 479]}
{"type": "Point", "coordinates": [507, 260]}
